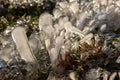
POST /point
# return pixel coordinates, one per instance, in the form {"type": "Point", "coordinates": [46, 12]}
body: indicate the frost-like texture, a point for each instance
{"type": "Point", "coordinates": [83, 29]}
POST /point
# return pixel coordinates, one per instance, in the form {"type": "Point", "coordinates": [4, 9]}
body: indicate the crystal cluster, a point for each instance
{"type": "Point", "coordinates": [79, 39]}
{"type": "Point", "coordinates": [87, 28]}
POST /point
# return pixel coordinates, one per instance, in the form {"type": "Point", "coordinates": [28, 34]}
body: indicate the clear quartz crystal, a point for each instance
{"type": "Point", "coordinates": [21, 41]}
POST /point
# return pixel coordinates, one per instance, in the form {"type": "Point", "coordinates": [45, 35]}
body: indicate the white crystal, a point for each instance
{"type": "Point", "coordinates": [45, 26]}
{"type": "Point", "coordinates": [5, 53]}
{"type": "Point", "coordinates": [57, 13]}
{"type": "Point", "coordinates": [106, 76]}
{"type": "Point", "coordinates": [71, 29]}
{"type": "Point", "coordinates": [47, 43]}
{"type": "Point", "coordinates": [86, 30]}
{"type": "Point", "coordinates": [53, 53]}
{"type": "Point", "coordinates": [91, 22]}
{"type": "Point", "coordinates": [62, 21]}
{"type": "Point", "coordinates": [81, 19]}
{"type": "Point", "coordinates": [72, 0]}
{"type": "Point", "coordinates": [72, 76]}
{"type": "Point", "coordinates": [110, 9]}
{"type": "Point", "coordinates": [58, 42]}
{"type": "Point", "coordinates": [58, 28]}
{"type": "Point", "coordinates": [45, 20]}
{"type": "Point", "coordinates": [119, 73]}
{"type": "Point", "coordinates": [118, 60]}
{"type": "Point", "coordinates": [34, 42]}
{"type": "Point", "coordinates": [113, 75]}
{"type": "Point", "coordinates": [104, 2]}
{"type": "Point", "coordinates": [63, 4]}
{"type": "Point", "coordinates": [74, 7]}
{"type": "Point", "coordinates": [118, 3]}
{"type": "Point", "coordinates": [21, 41]}
{"type": "Point", "coordinates": [97, 39]}
{"type": "Point", "coordinates": [102, 16]}
{"type": "Point", "coordinates": [48, 31]}
{"type": "Point", "coordinates": [64, 48]}
{"type": "Point", "coordinates": [87, 39]}
{"type": "Point", "coordinates": [103, 27]}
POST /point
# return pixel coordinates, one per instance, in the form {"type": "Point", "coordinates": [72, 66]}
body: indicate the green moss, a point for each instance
{"type": "Point", "coordinates": [117, 40]}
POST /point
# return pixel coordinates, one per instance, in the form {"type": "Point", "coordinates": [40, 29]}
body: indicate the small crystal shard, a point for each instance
{"type": "Point", "coordinates": [103, 27]}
